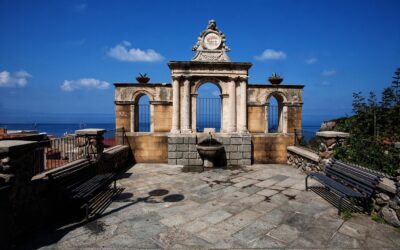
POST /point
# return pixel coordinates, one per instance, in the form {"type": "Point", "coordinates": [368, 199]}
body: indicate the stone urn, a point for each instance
{"type": "Point", "coordinates": [209, 149]}
{"type": "Point", "coordinates": [142, 78]}
{"type": "Point", "coordinates": [275, 79]}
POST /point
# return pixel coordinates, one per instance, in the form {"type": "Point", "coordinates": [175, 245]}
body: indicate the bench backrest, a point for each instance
{"type": "Point", "coordinates": [363, 181]}
{"type": "Point", "coordinates": [71, 177]}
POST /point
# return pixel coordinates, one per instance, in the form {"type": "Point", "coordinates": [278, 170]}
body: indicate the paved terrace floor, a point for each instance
{"type": "Point", "coordinates": [262, 206]}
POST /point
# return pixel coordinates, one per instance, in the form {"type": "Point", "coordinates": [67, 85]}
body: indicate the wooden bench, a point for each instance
{"type": "Point", "coordinates": [81, 182]}
{"type": "Point", "coordinates": [347, 181]}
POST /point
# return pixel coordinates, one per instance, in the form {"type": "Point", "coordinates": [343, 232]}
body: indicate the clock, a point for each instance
{"type": "Point", "coordinates": [212, 41]}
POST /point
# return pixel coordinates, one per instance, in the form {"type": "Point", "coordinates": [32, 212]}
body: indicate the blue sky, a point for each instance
{"type": "Point", "coordinates": [58, 59]}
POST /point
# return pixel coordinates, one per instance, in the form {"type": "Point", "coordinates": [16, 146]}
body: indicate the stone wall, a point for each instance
{"type": "Point", "coordinates": [270, 148]}
{"type": "Point", "coordinates": [182, 149]}
{"type": "Point", "coordinates": [303, 159]}
{"type": "Point", "coordinates": [256, 119]}
{"type": "Point", "coordinates": [162, 118]}
{"type": "Point", "coordinates": [149, 147]}
{"type": "Point", "coordinates": [123, 117]}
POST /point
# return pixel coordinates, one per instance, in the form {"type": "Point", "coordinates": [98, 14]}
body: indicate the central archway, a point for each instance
{"type": "Point", "coordinates": [209, 107]}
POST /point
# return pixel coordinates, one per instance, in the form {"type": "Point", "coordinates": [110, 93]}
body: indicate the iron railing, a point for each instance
{"type": "Point", "coordinates": [57, 152]}
{"type": "Point", "coordinates": [273, 119]}
{"type": "Point", "coordinates": [208, 113]}
{"type": "Point", "coordinates": [144, 118]}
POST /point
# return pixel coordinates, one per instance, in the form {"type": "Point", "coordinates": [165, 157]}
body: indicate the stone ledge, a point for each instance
{"type": "Point", "coordinates": [11, 146]}
{"type": "Point", "coordinates": [332, 134]}
{"type": "Point", "coordinates": [90, 131]}
{"type": "Point", "coordinates": [305, 153]}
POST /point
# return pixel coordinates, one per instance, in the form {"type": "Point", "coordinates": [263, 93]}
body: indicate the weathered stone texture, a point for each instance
{"type": "Point", "coordinates": [162, 118]}
{"type": "Point", "coordinates": [256, 119]}
{"type": "Point", "coordinates": [148, 148]}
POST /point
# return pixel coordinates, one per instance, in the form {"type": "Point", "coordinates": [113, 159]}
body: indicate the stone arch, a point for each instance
{"type": "Point", "coordinates": [136, 96]}
{"type": "Point", "coordinates": [281, 99]}
{"type": "Point", "coordinates": [204, 80]}
{"type": "Point", "coordinates": [135, 110]}
{"type": "Point", "coordinates": [194, 94]}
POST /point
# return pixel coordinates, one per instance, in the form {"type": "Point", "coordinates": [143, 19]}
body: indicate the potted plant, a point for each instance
{"type": "Point", "coordinates": [142, 78]}
{"type": "Point", "coordinates": [275, 79]}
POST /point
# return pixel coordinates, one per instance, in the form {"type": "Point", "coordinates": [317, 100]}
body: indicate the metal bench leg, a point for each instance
{"type": "Point", "coordinates": [340, 205]}
{"type": "Point", "coordinates": [87, 210]}
{"type": "Point", "coordinates": [307, 182]}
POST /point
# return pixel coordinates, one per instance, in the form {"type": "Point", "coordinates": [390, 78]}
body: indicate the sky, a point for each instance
{"type": "Point", "coordinates": [59, 59]}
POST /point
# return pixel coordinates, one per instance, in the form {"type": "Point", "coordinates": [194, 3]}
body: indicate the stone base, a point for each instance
{"type": "Point", "coordinates": [182, 149]}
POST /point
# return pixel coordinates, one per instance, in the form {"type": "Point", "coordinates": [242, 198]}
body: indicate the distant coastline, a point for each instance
{"type": "Point", "coordinates": [58, 129]}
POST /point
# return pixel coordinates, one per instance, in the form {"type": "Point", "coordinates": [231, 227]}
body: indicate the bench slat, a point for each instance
{"type": "Point", "coordinates": [335, 185]}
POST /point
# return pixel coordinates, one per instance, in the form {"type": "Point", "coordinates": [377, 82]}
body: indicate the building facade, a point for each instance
{"type": "Point", "coordinates": [245, 110]}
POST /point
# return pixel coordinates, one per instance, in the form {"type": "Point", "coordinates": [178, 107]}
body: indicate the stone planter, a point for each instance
{"type": "Point", "coordinates": [275, 81]}
{"type": "Point", "coordinates": [142, 79]}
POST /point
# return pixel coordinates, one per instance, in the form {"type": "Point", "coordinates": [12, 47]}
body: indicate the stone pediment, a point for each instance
{"type": "Point", "coordinates": [211, 45]}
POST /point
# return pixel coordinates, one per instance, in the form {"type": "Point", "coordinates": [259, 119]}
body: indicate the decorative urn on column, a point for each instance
{"type": "Point", "coordinates": [275, 79]}
{"type": "Point", "coordinates": [142, 78]}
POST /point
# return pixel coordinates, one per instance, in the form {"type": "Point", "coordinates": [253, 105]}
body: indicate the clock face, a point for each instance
{"type": "Point", "coordinates": [212, 41]}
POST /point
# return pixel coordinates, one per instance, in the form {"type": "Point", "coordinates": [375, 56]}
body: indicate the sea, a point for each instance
{"type": "Point", "coordinates": [59, 129]}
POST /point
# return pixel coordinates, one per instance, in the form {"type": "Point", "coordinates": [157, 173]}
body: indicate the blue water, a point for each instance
{"type": "Point", "coordinates": [58, 129]}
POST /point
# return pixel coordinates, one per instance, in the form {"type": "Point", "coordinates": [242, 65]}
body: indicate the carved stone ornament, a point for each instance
{"type": "Point", "coordinates": [211, 45]}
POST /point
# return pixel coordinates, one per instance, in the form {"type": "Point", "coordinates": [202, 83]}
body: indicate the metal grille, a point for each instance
{"type": "Point", "coordinates": [144, 117]}
{"type": "Point", "coordinates": [208, 114]}
{"type": "Point", "coordinates": [273, 119]}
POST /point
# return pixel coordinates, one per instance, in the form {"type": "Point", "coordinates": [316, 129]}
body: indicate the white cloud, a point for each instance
{"type": "Point", "coordinates": [325, 83]}
{"type": "Point", "coordinates": [18, 79]}
{"type": "Point", "coordinates": [312, 60]}
{"type": "Point", "coordinates": [84, 83]}
{"type": "Point", "coordinates": [122, 52]}
{"type": "Point", "coordinates": [81, 6]}
{"type": "Point", "coordinates": [328, 72]}
{"type": "Point", "coordinates": [270, 54]}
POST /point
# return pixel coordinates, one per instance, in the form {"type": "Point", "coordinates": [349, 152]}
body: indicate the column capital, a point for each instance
{"type": "Point", "coordinates": [187, 78]}
{"type": "Point", "coordinates": [177, 77]}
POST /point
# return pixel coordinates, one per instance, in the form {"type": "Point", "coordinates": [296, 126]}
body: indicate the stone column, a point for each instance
{"type": "Point", "coordinates": [284, 118]}
{"type": "Point", "coordinates": [224, 112]}
{"type": "Point", "coordinates": [151, 117]}
{"type": "Point", "coordinates": [194, 112]}
{"type": "Point", "coordinates": [132, 125]}
{"type": "Point", "coordinates": [243, 106]}
{"type": "Point", "coordinates": [266, 118]}
{"type": "Point", "coordinates": [186, 107]}
{"type": "Point", "coordinates": [175, 104]}
{"type": "Point", "coordinates": [232, 106]}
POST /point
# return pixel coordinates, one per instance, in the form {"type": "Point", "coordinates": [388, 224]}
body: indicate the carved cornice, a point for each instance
{"type": "Point", "coordinates": [124, 102]}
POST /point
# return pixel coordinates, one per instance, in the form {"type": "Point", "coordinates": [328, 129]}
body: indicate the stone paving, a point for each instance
{"type": "Point", "coordinates": [260, 206]}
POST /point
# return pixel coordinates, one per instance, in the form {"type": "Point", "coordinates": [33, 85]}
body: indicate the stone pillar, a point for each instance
{"type": "Point", "coordinates": [224, 112]}
{"type": "Point", "coordinates": [186, 107]}
{"type": "Point", "coordinates": [266, 118]}
{"type": "Point", "coordinates": [232, 107]}
{"type": "Point", "coordinates": [175, 105]}
{"type": "Point", "coordinates": [151, 117]}
{"type": "Point", "coordinates": [243, 106]}
{"type": "Point", "coordinates": [94, 141]}
{"type": "Point", "coordinates": [132, 125]}
{"type": "Point", "coordinates": [17, 164]}
{"type": "Point", "coordinates": [194, 112]}
{"type": "Point", "coordinates": [284, 118]}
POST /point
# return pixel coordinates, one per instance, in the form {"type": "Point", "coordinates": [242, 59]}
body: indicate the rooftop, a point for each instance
{"type": "Point", "coordinates": [262, 206]}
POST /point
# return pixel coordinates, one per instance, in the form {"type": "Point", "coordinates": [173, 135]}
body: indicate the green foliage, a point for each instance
{"type": "Point", "coordinates": [377, 218]}
{"type": "Point", "coordinates": [346, 214]}
{"type": "Point", "coordinates": [374, 128]}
